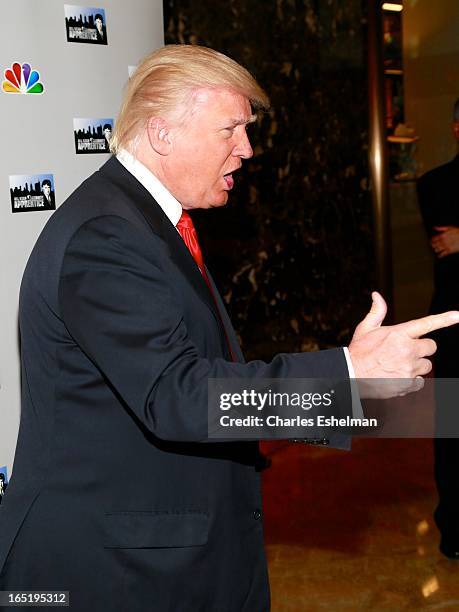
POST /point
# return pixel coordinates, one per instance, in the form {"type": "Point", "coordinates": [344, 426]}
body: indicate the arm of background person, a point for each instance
{"type": "Point", "coordinates": [445, 241]}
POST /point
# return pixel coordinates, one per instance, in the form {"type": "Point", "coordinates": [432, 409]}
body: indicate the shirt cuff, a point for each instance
{"type": "Point", "coordinates": [357, 410]}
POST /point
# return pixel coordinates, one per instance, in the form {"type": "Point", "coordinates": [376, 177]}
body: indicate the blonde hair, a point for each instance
{"type": "Point", "coordinates": [165, 81]}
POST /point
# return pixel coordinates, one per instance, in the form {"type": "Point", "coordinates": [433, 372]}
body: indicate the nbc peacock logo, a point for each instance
{"type": "Point", "coordinates": [21, 79]}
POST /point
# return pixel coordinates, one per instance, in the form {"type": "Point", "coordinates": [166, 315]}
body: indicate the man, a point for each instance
{"type": "Point", "coordinates": [100, 28]}
{"type": "Point", "coordinates": [3, 486]}
{"type": "Point", "coordinates": [107, 132]}
{"type": "Point", "coordinates": [121, 328]}
{"type": "Point", "coordinates": [48, 198]}
{"type": "Point", "coordinates": [438, 194]}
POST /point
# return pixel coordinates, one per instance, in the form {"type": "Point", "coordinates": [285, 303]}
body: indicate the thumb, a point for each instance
{"type": "Point", "coordinates": [375, 317]}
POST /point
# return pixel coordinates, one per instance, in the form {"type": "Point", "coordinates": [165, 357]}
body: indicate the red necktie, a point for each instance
{"type": "Point", "coordinates": [190, 237]}
{"type": "Point", "coordinates": [188, 232]}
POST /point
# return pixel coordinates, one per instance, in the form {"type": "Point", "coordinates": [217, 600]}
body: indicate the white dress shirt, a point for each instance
{"type": "Point", "coordinates": [171, 207]}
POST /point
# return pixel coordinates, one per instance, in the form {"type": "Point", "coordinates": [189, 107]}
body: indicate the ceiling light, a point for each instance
{"type": "Point", "coordinates": [391, 6]}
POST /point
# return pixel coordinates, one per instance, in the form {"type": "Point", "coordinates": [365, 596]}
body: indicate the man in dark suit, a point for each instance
{"type": "Point", "coordinates": [438, 194]}
{"type": "Point", "coordinates": [48, 195]}
{"type": "Point", "coordinates": [121, 328]}
{"type": "Point", "coordinates": [101, 30]}
{"type": "Point", "coordinates": [107, 135]}
{"type": "Point", "coordinates": [3, 486]}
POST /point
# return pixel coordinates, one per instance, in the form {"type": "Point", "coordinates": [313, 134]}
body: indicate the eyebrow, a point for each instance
{"type": "Point", "coordinates": [241, 121]}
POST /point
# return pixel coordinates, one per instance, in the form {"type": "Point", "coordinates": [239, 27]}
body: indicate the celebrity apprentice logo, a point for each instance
{"type": "Point", "coordinates": [85, 24]}
{"type": "Point", "coordinates": [32, 192]}
{"type": "Point", "coordinates": [21, 79]}
{"type": "Point", "coordinates": [92, 135]}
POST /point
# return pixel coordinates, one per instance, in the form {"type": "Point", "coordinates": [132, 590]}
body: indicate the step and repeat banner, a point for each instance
{"type": "Point", "coordinates": [63, 69]}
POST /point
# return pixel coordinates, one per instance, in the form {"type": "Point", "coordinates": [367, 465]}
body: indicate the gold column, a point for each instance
{"type": "Point", "coordinates": [379, 176]}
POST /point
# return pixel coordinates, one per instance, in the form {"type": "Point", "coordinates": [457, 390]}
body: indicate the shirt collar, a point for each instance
{"type": "Point", "coordinates": [171, 207]}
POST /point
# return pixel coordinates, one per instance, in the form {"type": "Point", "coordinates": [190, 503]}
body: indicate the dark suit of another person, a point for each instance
{"type": "Point", "coordinates": [438, 194]}
{"type": "Point", "coordinates": [102, 36]}
{"type": "Point", "coordinates": [49, 202]}
{"type": "Point", "coordinates": [113, 497]}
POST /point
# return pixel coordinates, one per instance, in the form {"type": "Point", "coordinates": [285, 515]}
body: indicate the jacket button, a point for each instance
{"type": "Point", "coordinates": [257, 514]}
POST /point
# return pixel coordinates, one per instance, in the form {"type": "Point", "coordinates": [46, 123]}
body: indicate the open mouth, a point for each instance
{"type": "Point", "coordinates": [229, 180]}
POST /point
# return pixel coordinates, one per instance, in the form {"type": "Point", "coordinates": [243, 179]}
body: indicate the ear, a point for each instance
{"type": "Point", "coordinates": [456, 130]}
{"type": "Point", "coordinates": [158, 131]}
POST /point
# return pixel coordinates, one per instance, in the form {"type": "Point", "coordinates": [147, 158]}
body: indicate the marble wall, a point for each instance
{"type": "Point", "coordinates": [292, 252]}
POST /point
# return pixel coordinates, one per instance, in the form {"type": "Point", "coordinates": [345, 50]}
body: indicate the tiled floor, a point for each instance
{"type": "Point", "coordinates": [353, 531]}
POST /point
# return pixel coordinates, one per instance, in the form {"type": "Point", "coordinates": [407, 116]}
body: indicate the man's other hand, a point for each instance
{"type": "Point", "coordinates": [395, 351]}
{"type": "Point", "coordinates": [446, 242]}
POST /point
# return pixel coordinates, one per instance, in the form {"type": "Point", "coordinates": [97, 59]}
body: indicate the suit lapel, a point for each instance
{"type": "Point", "coordinates": [225, 320]}
{"type": "Point", "coordinates": [161, 225]}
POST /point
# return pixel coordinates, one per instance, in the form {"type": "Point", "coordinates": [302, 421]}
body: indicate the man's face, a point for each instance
{"type": "Point", "coordinates": [206, 151]}
{"type": "Point", "coordinates": [107, 133]}
{"type": "Point", "coordinates": [99, 24]}
{"type": "Point", "coordinates": [46, 190]}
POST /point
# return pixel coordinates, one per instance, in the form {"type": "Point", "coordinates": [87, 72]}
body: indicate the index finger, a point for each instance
{"type": "Point", "coordinates": [420, 327]}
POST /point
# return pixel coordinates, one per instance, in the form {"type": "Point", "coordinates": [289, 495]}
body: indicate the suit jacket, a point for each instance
{"type": "Point", "coordinates": [438, 195]}
{"type": "Point", "coordinates": [49, 204]}
{"type": "Point", "coordinates": [102, 37]}
{"type": "Point", "coordinates": [117, 495]}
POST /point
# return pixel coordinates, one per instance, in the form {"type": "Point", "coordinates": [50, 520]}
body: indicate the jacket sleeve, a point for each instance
{"type": "Point", "coordinates": [118, 307]}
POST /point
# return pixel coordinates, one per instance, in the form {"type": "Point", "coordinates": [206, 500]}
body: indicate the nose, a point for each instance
{"type": "Point", "coordinates": [243, 148]}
